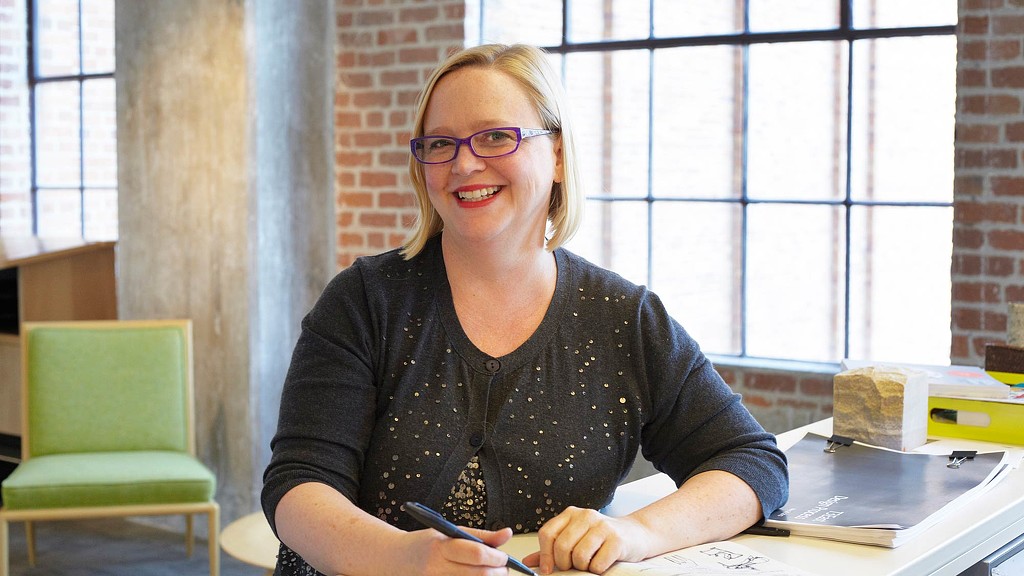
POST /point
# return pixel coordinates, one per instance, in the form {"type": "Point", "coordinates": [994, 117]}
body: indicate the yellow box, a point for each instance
{"type": "Point", "coordinates": [1008, 378]}
{"type": "Point", "coordinates": [985, 420]}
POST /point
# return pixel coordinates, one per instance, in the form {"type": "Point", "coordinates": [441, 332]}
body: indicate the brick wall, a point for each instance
{"type": "Point", "coordinates": [15, 203]}
{"type": "Point", "coordinates": [384, 53]}
{"type": "Point", "coordinates": [988, 236]}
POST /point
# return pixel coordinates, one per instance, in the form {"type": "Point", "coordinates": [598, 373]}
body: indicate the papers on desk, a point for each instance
{"type": "Point", "coordinates": [869, 495]}
{"type": "Point", "coordinates": [947, 381]}
{"type": "Point", "coordinates": [714, 559]}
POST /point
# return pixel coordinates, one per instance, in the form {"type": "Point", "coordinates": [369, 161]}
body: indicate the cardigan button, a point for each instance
{"type": "Point", "coordinates": [476, 439]}
{"type": "Point", "coordinates": [492, 366]}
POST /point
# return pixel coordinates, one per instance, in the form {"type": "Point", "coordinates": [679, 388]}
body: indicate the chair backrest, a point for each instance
{"type": "Point", "coordinates": [98, 386]}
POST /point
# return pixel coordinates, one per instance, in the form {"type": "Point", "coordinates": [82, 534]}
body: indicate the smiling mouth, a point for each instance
{"type": "Point", "coordinates": [478, 194]}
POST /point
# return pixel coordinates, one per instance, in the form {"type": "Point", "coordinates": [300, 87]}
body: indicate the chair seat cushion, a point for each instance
{"type": "Point", "coordinates": [107, 479]}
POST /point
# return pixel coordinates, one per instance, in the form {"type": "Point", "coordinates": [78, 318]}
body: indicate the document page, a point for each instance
{"type": "Point", "coordinates": [713, 559]}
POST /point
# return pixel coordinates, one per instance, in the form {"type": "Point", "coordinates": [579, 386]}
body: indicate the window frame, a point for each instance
{"type": "Point", "coordinates": [35, 79]}
{"type": "Point", "coordinates": [845, 33]}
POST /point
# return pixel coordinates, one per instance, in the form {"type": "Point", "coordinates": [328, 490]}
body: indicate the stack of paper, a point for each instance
{"type": "Point", "coordinates": [869, 495]}
{"type": "Point", "coordinates": [948, 381]}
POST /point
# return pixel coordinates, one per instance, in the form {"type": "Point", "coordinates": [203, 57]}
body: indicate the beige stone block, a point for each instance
{"type": "Point", "coordinates": [881, 406]}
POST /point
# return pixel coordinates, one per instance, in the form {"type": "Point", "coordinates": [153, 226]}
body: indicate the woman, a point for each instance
{"type": "Point", "coordinates": [492, 375]}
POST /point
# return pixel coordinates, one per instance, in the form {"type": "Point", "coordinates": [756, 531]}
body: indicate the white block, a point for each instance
{"type": "Point", "coordinates": [882, 406]}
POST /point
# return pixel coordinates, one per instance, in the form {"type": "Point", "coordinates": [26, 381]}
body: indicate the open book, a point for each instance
{"type": "Point", "coordinates": [870, 495]}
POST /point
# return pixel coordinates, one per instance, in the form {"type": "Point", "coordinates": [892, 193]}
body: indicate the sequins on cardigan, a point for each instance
{"type": "Point", "coordinates": [467, 502]}
{"type": "Point", "coordinates": [291, 564]}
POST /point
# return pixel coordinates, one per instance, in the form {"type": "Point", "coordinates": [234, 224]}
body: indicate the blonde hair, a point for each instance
{"type": "Point", "coordinates": [529, 67]}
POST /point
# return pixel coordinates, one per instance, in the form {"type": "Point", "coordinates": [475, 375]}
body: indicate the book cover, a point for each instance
{"type": "Point", "coordinates": [871, 495]}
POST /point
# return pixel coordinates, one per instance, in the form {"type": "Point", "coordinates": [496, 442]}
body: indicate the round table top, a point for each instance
{"type": "Point", "coordinates": [251, 540]}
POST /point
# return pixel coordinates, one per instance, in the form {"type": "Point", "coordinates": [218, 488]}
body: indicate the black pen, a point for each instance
{"type": "Point", "coordinates": [432, 519]}
{"type": "Point", "coordinates": [759, 530]}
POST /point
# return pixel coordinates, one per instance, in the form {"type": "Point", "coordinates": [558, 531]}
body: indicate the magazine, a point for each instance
{"type": "Point", "coordinates": [871, 495]}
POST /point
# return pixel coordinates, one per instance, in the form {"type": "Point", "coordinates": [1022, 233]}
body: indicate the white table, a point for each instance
{"type": "Point", "coordinates": [953, 545]}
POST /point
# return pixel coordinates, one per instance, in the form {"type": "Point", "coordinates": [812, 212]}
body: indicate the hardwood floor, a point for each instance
{"type": "Point", "coordinates": [113, 547]}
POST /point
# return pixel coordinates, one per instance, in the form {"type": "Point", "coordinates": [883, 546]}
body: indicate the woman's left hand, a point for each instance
{"type": "Point", "coordinates": [587, 540]}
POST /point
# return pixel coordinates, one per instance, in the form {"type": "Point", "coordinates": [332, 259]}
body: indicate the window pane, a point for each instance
{"type": "Point", "coordinates": [98, 36]}
{"type": "Point", "coordinates": [795, 282]}
{"type": "Point", "coordinates": [15, 140]}
{"type": "Point", "coordinates": [608, 93]}
{"type": "Point", "coordinates": [101, 214]}
{"type": "Point", "coordinates": [57, 134]}
{"type": "Point", "coordinates": [696, 256]}
{"type": "Point", "coordinates": [57, 37]}
{"type": "Point", "coordinates": [697, 122]}
{"type": "Point", "coordinates": [614, 236]}
{"type": "Point", "coordinates": [593, 20]}
{"type": "Point", "coordinates": [537, 22]}
{"type": "Point", "coordinates": [696, 18]}
{"type": "Point", "coordinates": [895, 13]}
{"type": "Point", "coordinates": [59, 213]}
{"type": "Point", "coordinates": [99, 130]}
{"type": "Point", "coordinates": [785, 15]}
{"type": "Point", "coordinates": [797, 121]}
{"type": "Point", "coordinates": [900, 258]}
{"type": "Point", "coordinates": [904, 101]}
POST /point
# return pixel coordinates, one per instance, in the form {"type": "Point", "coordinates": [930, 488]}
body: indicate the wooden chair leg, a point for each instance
{"type": "Point", "coordinates": [188, 535]}
{"type": "Point", "coordinates": [5, 564]}
{"type": "Point", "coordinates": [214, 540]}
{"type": "Point", "coordinates": [30, 541]}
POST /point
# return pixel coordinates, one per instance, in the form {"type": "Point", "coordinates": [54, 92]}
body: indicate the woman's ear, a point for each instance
{"type": "Point", "coordinates": [559, 165]}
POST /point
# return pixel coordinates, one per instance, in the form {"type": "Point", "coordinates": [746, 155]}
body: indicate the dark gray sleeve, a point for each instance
{"type": "Point", "coordinates": [328, 401]}
{"type": "Point", "coordinates": [697, 423]}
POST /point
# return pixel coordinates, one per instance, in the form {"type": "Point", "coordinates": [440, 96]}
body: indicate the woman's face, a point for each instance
{"type": "Point", "coordinates": [502, 201]}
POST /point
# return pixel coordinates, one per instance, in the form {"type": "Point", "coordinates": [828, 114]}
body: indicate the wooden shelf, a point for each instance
{"type": "Point", "coordinates": [47, 280]}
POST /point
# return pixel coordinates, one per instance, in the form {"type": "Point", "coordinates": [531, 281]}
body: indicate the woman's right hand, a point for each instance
{"type": "Point", "coordinates": [430, 553]}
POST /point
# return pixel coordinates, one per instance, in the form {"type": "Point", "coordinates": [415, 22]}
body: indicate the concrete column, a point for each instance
{"type": "Point", "coordinates": [225, 169]}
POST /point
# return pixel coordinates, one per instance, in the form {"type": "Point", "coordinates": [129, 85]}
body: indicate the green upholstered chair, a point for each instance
{"type": "Point", "coordinates": [107, 429]}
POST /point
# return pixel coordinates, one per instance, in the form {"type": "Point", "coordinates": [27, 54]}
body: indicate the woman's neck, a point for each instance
{"type": "Point", "coordinates": [496, 266]}
{"type": "Point", "coordinates": [500, 298]}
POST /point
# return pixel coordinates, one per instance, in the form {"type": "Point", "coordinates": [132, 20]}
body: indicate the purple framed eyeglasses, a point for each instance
{"type": "Point", "coordinates": [490, 143]}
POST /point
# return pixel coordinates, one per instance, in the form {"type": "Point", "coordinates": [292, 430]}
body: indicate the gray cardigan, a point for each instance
{"type": "Point", "coordinates": [387, 399]}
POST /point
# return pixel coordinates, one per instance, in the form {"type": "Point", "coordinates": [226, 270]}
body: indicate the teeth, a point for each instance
{"type": "Point", "coordinates": [478, 194]}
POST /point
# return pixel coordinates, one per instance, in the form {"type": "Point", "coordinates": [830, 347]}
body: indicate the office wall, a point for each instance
{"type": "Point", "coordinates": [384, 54]}
{"type": "Point", "coordinates": [988, 236]}
{"type": "Point", "coordinates": [384, 51]}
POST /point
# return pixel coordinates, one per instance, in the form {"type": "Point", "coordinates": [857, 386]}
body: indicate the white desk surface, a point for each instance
{"type": "Point", "coordinates": [951, 546]}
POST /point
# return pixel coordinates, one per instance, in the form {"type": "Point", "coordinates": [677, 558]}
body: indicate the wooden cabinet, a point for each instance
{"type": "Point", "coordinates": [47, 280]}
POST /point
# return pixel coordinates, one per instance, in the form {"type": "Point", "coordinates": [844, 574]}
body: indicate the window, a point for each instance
{"type": "Point", "coordinates": [778, 171]}
{"type": "Point", "coordinates": [73, 118]}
